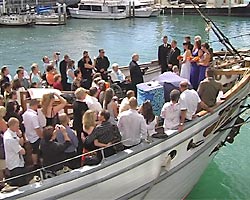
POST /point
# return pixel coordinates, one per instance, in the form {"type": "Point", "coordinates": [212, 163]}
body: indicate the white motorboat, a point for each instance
{"type": "Point", "coordinates": [97, 10]}
{"type": "Point", "coordinates": [17, 20]}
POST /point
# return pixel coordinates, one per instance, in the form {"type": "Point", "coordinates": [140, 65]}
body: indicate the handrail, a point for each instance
{"type": "Point", "coordinates": [61, 162]}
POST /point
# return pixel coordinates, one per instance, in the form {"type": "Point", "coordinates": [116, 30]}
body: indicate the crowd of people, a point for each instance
{"type": "Point", "coordinates": [99, 119]}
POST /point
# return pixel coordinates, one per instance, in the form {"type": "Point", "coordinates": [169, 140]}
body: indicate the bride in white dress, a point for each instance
{"type": "Point", "coordinates": [186, 65]}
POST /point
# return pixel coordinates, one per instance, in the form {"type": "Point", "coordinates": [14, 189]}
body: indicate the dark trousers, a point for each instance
{"type": "Point", "coordinates": [24, 180]}
{"type": "Point", "coordinates": [72, 164]}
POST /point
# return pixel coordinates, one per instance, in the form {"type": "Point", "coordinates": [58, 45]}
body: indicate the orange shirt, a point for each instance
{"type": "Point", "coordinates": [50, 78]}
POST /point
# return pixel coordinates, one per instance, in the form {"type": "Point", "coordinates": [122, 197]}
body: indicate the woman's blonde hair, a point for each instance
{"type": "Point", "coordinates": [88, 119]}
{"type": "Point", "coordinates": [46, 99]}
{"type": "Point", "coordinates": [80, 92]}
{"type": "Point", "coordinates": [2, 111]}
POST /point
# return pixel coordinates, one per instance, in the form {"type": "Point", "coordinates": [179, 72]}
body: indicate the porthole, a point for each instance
{"type": "Point", "coordinates": [172, 154]}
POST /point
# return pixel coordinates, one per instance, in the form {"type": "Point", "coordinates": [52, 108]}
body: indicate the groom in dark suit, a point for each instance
{"type": "Point", "coordinates": [163, 53]}
{"type": "Point", "coordinates": [173, 55]}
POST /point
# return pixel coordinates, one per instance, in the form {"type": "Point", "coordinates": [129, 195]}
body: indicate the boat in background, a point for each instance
{"type": "Point", "coordinates": [47, 15]}
{"type": "Point", "coordinates": [97, 9]}
{"type": "Point", "coordinates": [17, 20]}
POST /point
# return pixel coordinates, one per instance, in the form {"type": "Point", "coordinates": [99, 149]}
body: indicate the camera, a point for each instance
{"type": "Point", "coordinates": [58, 53]}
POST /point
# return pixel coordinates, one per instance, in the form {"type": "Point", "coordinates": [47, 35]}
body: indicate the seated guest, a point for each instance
{"type": "Point", "coordinates": [71, 151]}
{"type": "Point", "coordinates": [116, 75]}
{"type": "Point", "coordinates": [20, 76]}
{"type": "Point", "coordinates": [26, 74]}
{"type": "Point", "coordinates": [49, 110]}
{"type": "Point", "coordinates": [51, 71]}
{"type": "Point", "coordinates": [1, 100]}
{"type": "Point", "coordinates": [35, 76]}
{"type": "Point", "coordinates": [92, 101]}
{"type": "Point", "coordinates": [209, 88]}
{"type": "Point", "coordinates": [171, 111]}
{"type": "Point", "coordinates": [125, 102]}
{"type": "Point", "coordinates": [57, 82]}
{"type": "Point", "coordinates": [189, 102]}
{"type": "Point", "coordinates": [132, 125]}
{"type": "Point", "coordinates": [3, 128]}
{"type": "Point", "coordinates": [79, 108]}
{"type": "Point", "coordinates": [110, 105]}
{"type": "Point", "coordinates": [53, 152]}
{"type": "Point", "coordinates": [151, 120]}
{"type": "Point", "coordinates": [33, 131]}
{"type": "Point", "coordinates": [13, 142]}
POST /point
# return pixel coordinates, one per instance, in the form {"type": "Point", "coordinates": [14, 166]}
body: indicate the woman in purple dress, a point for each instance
{"type": "Point", "coordinates": [195, 70]}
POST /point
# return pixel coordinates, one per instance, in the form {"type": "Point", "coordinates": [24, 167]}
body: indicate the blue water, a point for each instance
{"type": "Point", "coordinates": [227, 177]}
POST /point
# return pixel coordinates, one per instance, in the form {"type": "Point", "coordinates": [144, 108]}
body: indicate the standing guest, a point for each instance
{"type": "Point", "coordinates": [103, 135]}
{"type": "Point", "coordinates": [102, 64]}
{"type": "Point", "coordinates": [185, 63]}
{"type": "Point", "coordinates": [86, 67]}
{"type": "Point", "coordinates": [1, 100]}
{"type": "Point", "coordinates": [3, 128]}
{"type": "Point", "coordinates": [4, 77]}
{"type": "Point", "coordinates": [102, 90]}
{"type": "Point", "coordinates": [33, 130]}
{"type": "Point", "coordinates": [125, 102]}
{"type": "Point", "coordinates": [79, 108]}
{"type": "Point", "coordinates": [136, 73]}
{"type": "Point", "coordinates": [51, 71]}
{"type": "Point", "coordinates": [163, 52]}
{"type": "Point", "coordinates": [52, 151]}
{"type": "Point", "coordinates": [173, 55]}
{"type": "Point", "coordinates": [35, 76]}
{"type": "Point", "coordinates": [189, 102]}
{"type": "Point", "coordinates": [77, 82]}
{"type": "Point", "coordinates": [170, 111]}
{"type": "Point", "coordinates": [13, 109]}
{"type": "Point", "coordinates": [20, 76]}
{"type": "Point", "coordinates": [132, 125]}
{"type": "Point", "coordinates": [14, 98]}
{"type": "Point", "coordinates": [58, 82]}
{"type": "Point", "coordinates": [209, 88]}
{"type": "Point", "coordinates": [26, 75]}
{"type": "Point", "coordinates": [16, 85]}
{"type": "Point", "coordinates": [195, 70]}
{"type": "Point", "coordinates": [116, 75]}
{"type": "Point", "coordinates": [63, 71]}
{"type": "Point", "coordinates": [71, 151]}
{"type": "Point", "coordinates": [7, 90]}
{"type": "Point", "coordinates": [110, 105]}
{"type": "Point", "coordinates": [204, 61]}
{"type": "Point", "coordinates": [46, 63]}
{"type": "Point", "coordinates": [13, 142]}
{"type": "Point", "coordinates": [49, 110]}
{"type": "Point", "coordinates": [187, 39]}
{"type": "Point", "coordinates": [70, 72]}
{"type": "Point", "coordinates": [92, 101]}
{"type": "Point", "coordinates": [148, 114]}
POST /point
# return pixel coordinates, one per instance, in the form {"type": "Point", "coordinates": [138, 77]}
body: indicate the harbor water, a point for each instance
{"type": "Point", "coordinates": [227, 177]}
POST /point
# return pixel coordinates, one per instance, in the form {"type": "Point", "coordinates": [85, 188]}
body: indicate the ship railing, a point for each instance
{"type": "Point", "coordinates": [46, 169]}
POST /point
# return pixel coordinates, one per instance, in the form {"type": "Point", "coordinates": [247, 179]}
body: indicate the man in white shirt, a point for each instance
{"type": "Point", "coordinates": [116, 75]}
{"type": "Point", "coordinates": [32, 129]}
{"type": "Point", "coordinates": [125, 102]}
{"type": "Point", "coordinates": [92, 101]}
{"type": "Point", "coordinates": [14, 151]}
{"type": "Point", "coordinates": [189, 102]}
{"type": "Point", "coordinates": [132, 125]}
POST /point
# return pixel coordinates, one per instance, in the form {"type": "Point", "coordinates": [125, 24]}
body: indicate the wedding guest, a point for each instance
{"type": "Point", "coordinates": [51, 111]}
{"type": "Point", "coordinates": [125, 102]}
{"type": "Point", "coordinates": [63, 71]}
{"type": "Point", "coordinates": [173, 55]}
{"type": "Point", "coordinates": [58, 82]}
{"type": "Point", "coordinates": [35, 76]}
{"type": "Point", "coordinates": [102, 64]}
{"type": "Point", "coordinates": [4, 77]}
{"type": "Point", "coordinates": [170, 111]}
{"type": "Point", "coordinates": [51, 71]}
{"type": "Point", "coordinates": [20, 76]}
{"type": "Point", "coordinates": [86, 67]}
{"type": "Point", "coordinates": [163, 53]}
{"type": "Point", "coordinates": [110, 105]}
{"type": "Point", "coordinates": [116, 75]}
{"type": "Point", "coordinates": [77, 82]}
{"type": "Point", "coordinates": [187, 39]}
{"type": "Point", "coordinates": [92, 101]}
{"type": "Point", "coordinates": [70, 72]}
{"type": "Point", "coordinates": [26, 75]}
{"type": "Point", "coordinates": [3, 128]}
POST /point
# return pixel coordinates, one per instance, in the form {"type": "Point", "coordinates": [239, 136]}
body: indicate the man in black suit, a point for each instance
{"type": "Point", "coordinates": [102, 64]}
{"type": "Point", "coordinates": [136, 73]}
{"type": "Point", "coordinates": [174, 53]}
{"type": "Point", "coordinates": [63, 71]}
{"type": "Point", "coordinates": [163, 52]}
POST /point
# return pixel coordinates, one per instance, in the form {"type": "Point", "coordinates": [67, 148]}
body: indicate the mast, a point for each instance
{"type": "Point", "coordinates": [219, 34]}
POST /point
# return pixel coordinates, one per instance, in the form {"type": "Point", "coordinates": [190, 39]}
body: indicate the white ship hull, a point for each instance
{"type": "Point", "coordinates": [55, 19]}
{"type": "Point", "coordinates": [129, 174]}
{"type": "Point", "coordinates": [16, 20]}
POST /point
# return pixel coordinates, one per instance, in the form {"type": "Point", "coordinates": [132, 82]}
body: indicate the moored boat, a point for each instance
{"type": "Point", "coordinates": [97, 10]}
{"type": "Point", "coordinates": [17, 20]}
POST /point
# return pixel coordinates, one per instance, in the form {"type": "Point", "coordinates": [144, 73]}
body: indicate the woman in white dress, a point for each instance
{"type": "Point", "coordinates": [185, 64]}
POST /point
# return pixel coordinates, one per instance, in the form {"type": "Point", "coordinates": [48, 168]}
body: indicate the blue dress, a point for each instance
{"type": "Point", "coordinates": [195, 71]}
